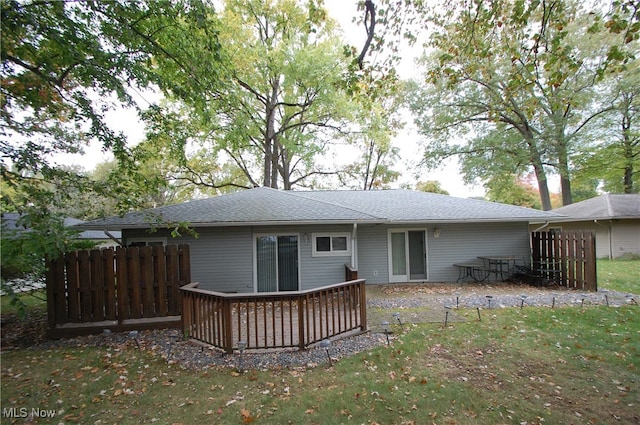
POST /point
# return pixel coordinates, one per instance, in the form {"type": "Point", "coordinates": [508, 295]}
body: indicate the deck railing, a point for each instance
{"type": "Point", "coordinates": [273, 319]}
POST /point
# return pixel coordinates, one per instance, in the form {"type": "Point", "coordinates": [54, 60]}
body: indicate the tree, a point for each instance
{"type": "Point", "coordinates": [64, 66]}
{"type": "Point", "coordinates": [527, 68]}
{"type": "Point", "coordinates": [614, 161]}
{"type": "Point", "coordinates": [431, 186]}
{"type": "Point", "coordinates": [273, 109]}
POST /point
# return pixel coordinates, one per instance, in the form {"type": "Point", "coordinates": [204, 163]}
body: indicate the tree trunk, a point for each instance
{"type": "Point", "coordinates": [271, 150]}
{"type": "Point", "coordinates": [627, 147]}
{"type": "Point", "coordinates": [541, 176]}
{"type": "Point", "coordinates": [543, 186]}
{"type": "Point", "coordinates": [565, 178]}
{"type": "Point", "coordinates": [275, 154]}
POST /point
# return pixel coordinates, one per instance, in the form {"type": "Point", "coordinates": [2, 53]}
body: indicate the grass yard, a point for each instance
{"type": "Point", "coordinates": [534, 366]}
{"type": "Point", "coordinates": [567, 365]}
{"type": "Point", "coordinates": [619, 275]}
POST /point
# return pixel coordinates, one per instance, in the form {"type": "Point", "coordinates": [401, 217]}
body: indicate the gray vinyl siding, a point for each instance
{"type": "Point", "coordinates": [222, 259]}
{"type": "Point", "coordinates": [464, 243]}
{"type": "Point", "coordinates": [457, 243]}
{"type": "Point", "coordinates": [373, 258]}
{"type": "Point", "coordinates": [314, 271]}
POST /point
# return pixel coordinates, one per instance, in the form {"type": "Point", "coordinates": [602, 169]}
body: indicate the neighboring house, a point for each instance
{"type": "Point", "coordinates": [269, 240]}
{"type": "Point", "coordinates": [615, 219]}
{"type": "Point", "coordinates": [103, 239]}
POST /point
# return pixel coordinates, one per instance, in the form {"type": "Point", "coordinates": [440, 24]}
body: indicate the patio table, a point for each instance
{"type": "Point", "coordinates": [475, 271]}
{"type": "Point", "coordinates": [500, 265]}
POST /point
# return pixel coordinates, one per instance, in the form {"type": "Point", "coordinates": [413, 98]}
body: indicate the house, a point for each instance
{"type": "Point", "coordinates": [264, 239]}
{"type": "Point", "coordinates": [615, 219]}
{"type": "Point", "coordinates": [103, 239]}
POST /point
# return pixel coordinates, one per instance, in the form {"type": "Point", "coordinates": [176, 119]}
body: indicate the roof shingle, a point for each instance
{"type": "Point", "coordinates": [265, 206]}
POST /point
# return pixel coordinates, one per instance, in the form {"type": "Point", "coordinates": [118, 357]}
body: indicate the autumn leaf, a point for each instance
{"type": "Point", "coordinates": [246, 416]}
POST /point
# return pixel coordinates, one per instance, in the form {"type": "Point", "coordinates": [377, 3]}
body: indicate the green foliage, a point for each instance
{"type": "Point", "coordinates": [518, 85]}
{"type": "Point", "coordinates": [268, 112]}
{"type": "Point", "coordinates": [509, 190]}
{"type": "Point", "coordinates": [38, 236]}
{"type": "Point", "coordinates": [431, 186]}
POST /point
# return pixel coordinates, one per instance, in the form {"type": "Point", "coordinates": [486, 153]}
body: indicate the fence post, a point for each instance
{"type": "Point", "coordinates": [363, 305]}
{"type": "Point", "coordinates": [591, 277]}
{"type": "Point", "coordinates": [50, 281]}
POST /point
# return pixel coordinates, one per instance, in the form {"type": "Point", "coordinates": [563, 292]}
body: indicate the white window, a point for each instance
{"type": "Point", "coordinates": [331, 244]}
{"type": "Point", "coordinates": [146, 241]}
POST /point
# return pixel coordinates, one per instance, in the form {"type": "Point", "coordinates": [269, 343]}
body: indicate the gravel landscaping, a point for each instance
{"type": "Point", "coordinates": [413, 303]}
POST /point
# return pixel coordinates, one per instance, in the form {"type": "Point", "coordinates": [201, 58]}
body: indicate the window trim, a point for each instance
{"type": "Point", "coordinates": [331, 252]}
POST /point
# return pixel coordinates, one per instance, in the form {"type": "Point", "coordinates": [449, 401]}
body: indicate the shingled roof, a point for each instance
{"type": "Point", "coordinates": [265, 206]}
{"type": "Point", "coordinates": [604, 207]}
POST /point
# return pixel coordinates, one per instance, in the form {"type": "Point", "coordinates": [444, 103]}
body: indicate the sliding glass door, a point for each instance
{"type": "Point", "coordinates": [407, 255]}
{"type": "Point", "coordinates": [277, 263]}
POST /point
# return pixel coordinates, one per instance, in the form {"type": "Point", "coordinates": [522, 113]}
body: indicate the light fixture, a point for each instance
{"type": "Point", "coordinates": [436, 232]}
{"type": "Point", "coordinates": [447, 309]}
{"type": "Point", "coordinates": [241, 347]}
{"type": "Point", "coordinates": [134, 335]}
{"type": "Point", "coordinates": [457, 294]}
{"type": "Point", "coordinates": [522, 299]}
{"type": "Point", "coordinates": [489, 299]}
{"type": "Point", "coordinates": [326, 343]}
{"type": "Point", "coordinates": [385, 327]}
{"type": "Point", "coordinates": [396, 316]}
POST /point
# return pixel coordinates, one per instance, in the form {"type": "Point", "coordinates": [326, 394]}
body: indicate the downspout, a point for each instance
{"type": "Point", "coordinates": [113, 238]}
{"type": "Point", "coordinates": [540, 228]}
{"type": "Point", "coordinates": [610, 249]}
{"type": "Point", "coordinates": [354, 247]}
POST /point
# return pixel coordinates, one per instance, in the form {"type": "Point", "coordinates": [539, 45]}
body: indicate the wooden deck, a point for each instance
{"type": "Point", "coordinates": [273, 320]}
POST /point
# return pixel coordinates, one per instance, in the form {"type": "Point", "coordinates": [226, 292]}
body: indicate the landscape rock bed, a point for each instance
{"type": "Point", "coordinates": [414, 303]}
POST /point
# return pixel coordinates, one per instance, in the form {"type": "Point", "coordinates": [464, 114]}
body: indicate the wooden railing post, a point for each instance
{"type": "Point", "coordinates": [363, 305]}
{"type": "Point", "coordinates": [227, 325]}
{"type": "Point", "coordinates": [301, 322]}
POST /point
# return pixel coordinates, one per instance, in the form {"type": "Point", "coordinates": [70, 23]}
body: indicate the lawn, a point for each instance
{"type": "Point", "coordinates": [619, 275]}
{"type": "Point", "coordinates": [567, 365]}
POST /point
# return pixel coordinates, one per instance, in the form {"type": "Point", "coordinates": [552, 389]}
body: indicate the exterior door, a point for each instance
{"type": "Point", "coordinates": [407, 255]}
{"type": "Point", "coordinates": [277, 263]}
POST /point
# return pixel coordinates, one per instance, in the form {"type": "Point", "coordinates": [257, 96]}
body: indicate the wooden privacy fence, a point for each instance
{"type": "Point", "coordinates": [566, 257]}
{"type": "Point", "coordinates": [125, 288]}
{"type": "Point", "coordinates": [273, 319]}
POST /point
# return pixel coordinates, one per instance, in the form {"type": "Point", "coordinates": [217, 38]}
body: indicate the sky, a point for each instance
{"type": "Point", "coordinates": [407, 140]}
